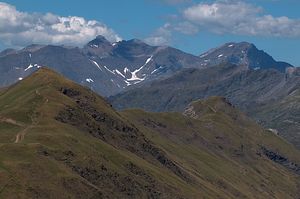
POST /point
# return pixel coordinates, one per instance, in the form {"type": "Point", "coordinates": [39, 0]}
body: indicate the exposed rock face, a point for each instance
{"type": "Point", "coordinates": [279, 159]}
{"type": "Point", "coordinates": [190, 112]}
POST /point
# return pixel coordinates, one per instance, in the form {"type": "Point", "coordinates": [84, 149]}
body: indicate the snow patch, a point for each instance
{"type": "Point", "coordinates": [127, 83]}
{"type": "Point", "coordinates": [96, 64]}
{"type": "Point", "coordinates": [275, 131]}
{"type": "Point", "coordinates": [221, 55]}
{"type": "Point", "coordinates": [37, 66]}
{"type": "Point", "coordinates": [29, 67]}
{"type": "Point", "coordinates": [134, 76]}
{"type": "Point", "coordinates": [20, 78]}
{"type": "Point", "coordinates": [126, 70]}
{"type": "Point", "coordinates": [203, 55]}
{"type": "Point", "coordinates": [109, 70]}
{"type": "Point", "coordinates": [148, 60]}
{"type": "Point", "coordinates": [30, 55]}
{"type": "Point", "coordinates": [134, 79]}
{"type": "Point", "coordinates": [94, 46]}
{"type": "Point", "coordinates": [231, 45]}
{"type": "Point", "coordinates": [89, 80]}
{"type": "Point", "coordinates": [155, 70]}
{"type": "Point", "coordinates": [119, 73]}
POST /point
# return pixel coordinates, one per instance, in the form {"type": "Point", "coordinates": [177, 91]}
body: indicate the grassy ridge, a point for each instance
{"type": "Point", "coordinates": [211, 149]}
{"type": "Point", "coordinates": [72, 144]}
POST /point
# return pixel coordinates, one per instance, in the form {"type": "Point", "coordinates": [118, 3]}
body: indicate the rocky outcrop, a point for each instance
{"type": "Point", "coordinates": [281, 160]}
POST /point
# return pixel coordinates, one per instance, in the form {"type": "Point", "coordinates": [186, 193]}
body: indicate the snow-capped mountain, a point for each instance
{"type": "Point", "coordinates": [243, 53]}
{"type": "Point", "coordinates": [134, 61]}
{"type": "Point", "coordinates": [110, 68]}
{"type": "Point", "coordinates": [107, 68]}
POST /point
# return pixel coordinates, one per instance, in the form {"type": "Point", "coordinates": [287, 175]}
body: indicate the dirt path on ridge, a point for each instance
{"type": "Point", "coordinates": [21, 135]}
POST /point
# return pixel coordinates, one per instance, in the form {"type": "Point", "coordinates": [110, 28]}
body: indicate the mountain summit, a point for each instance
{"type": "Point", "coordinates": [243, 53]}
{"type": "Point", "coordinates": [98, 47]}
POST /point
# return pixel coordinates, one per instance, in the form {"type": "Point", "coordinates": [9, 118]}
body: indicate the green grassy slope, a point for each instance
{"type": "Point", "coordinates": [223, 148]}
{"type": "Point", "coordinates": [60, 140]}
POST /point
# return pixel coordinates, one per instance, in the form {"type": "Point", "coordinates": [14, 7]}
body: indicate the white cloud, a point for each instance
{"type": "Point", "coordinates": [21, 28]}
{"type": "Point", "coordinates": [162, 36]}
{"type": "Point", "coordinates": [186, 28]}
{"type": "Point", "coordinates": [240, 18]}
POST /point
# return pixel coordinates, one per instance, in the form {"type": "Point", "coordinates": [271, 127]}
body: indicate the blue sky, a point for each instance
{"type": "Point", "coordinates": [190, 25]}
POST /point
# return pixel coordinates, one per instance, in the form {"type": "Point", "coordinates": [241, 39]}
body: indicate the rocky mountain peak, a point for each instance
{"type": "Point", "coordinates": [99, 41]}
{"type": "Point", "coordinates": [242, 53]}
{"type": "Point", "coordinates": [98, 47]}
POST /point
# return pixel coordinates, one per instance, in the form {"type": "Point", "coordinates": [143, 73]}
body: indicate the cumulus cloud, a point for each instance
{"type": "Point", "coordinates": [22, 28]}
{"type": "Point", "coordinates": [186, 27]}
{"type": "Point", "coordinates": [240, 18]}
{"type": "Point", "coordinates": [162, 36]}
{"type": "Point", "coordinates": [225, 17]}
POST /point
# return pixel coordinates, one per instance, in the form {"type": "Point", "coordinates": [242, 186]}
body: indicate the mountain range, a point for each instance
{"type": "Point", "coordinates": [134, 74]}
{"type": "Point", "coordinates": [107, 68]}
{"type": "Point", "coordinates": [59, 139]}
{"type": "Point", "coordinates": [111, 68]}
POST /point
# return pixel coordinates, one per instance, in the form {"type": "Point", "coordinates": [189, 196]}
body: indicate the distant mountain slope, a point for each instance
{"type": "Point", "coordinates": [250, 90]}
{"type": "Point", "coordinates": [241, 86]}
{"type": "Point", "coordinates": [110, 68]}
{"type": "Point", "coordinates": [60, 140]}
{"type": "Point", "coordinates": [282, 115]}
